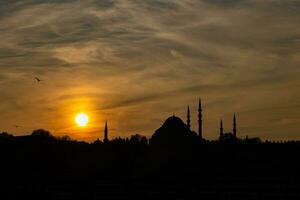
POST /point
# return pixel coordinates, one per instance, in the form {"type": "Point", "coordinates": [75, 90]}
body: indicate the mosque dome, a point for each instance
{"type": "Point", "coordinates": [173, 132]}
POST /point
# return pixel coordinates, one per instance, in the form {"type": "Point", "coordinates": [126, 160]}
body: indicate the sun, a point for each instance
{"type": "Point", "coordinates": [82, 119]}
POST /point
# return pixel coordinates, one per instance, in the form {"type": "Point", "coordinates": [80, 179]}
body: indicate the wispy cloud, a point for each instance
{"type": "Point", "coordinates": [139, 60]}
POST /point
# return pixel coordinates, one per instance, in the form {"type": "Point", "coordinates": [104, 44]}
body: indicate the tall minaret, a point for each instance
{"type": "Point", "coordinates": [200, 119]}
{"type": "Point", "coordinates": [234, 130]}
{"type": "Point", "coordinates": [188, 116]}
{"type": "Point", "coordinates": [221, 130]}
{"type": "Point", "coordinates": [105, 140]}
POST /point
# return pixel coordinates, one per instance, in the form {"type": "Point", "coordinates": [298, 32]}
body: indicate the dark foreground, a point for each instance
{"type": "Point", "coordinates": [41, 168]}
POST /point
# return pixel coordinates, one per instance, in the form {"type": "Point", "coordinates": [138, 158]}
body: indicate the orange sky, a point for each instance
{"type": "Point", "coordinates": [134, 63]}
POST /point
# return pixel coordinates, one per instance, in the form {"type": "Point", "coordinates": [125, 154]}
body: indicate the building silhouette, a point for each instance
{"type": "Point", "coordinates": [105, 140]}
{"type": "Point", "coordinates": [188, 120]}
{"type": "Point", "coordinates": [173, 133]}
{"type": "Point", "coordinates": [234, 130]}
{"type": "Point", "coordinates": [200, 120]}
{"type": "Point", "coordinates": [229, 136]}
{"type": "Point", "coordinates": [221, 131]}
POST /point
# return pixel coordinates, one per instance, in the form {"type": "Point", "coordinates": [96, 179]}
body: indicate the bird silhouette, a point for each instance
{"type": "Point", "coordinates": [17, 126]}
{"type": "Point", "coordinates": [37, 79]}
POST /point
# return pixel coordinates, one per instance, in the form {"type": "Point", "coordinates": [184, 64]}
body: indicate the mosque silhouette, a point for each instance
{"type": "Point", "coordinates": [175, 163]}
{"type": "Point", "coordinates": [174, 131]}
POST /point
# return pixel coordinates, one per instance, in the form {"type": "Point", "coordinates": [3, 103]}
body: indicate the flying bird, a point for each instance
{"type": "Point", "coordinates": [37, 79]}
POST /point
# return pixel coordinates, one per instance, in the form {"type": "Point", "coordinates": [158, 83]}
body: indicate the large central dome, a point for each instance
{"type": "Point", "coordinates": [173, 132]}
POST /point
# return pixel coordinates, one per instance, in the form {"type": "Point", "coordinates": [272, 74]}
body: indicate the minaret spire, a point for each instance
{"type": "Point", "coordinates": [234, 130]}
{"type": "Point", "coordinates": [188, 120]}
{"type": "Point", "coordinates": [105, 133]}
{"type": "Point", "coordinates": [221, 130]}
{"type": "Point", "coordinates": [200, 119]}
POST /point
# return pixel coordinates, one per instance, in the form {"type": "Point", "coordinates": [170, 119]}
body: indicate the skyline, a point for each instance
{"type": "Point", "coordinates": [82, 120]}
{"type": "Point", "coordinates": [135, 63]}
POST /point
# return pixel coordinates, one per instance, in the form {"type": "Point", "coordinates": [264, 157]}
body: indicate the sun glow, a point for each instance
{"type": "Point", "coordinates": [82, 119]}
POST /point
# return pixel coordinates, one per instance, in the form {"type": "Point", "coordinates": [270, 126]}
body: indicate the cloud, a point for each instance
{"type": "Point", "coordinates": [134, 58]}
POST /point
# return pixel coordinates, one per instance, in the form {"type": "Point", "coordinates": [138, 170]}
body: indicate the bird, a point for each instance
{"type": "Point", "coordinates": [37, 79]}
{"type": "Point", "coordinates": [17, 126]}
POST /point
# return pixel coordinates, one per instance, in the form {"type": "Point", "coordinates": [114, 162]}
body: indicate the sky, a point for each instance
{"type": "Point", "coordinates": [137, 62]}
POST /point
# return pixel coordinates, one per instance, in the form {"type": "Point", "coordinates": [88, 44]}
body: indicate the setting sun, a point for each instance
{"type": "Point", "coordinates": [81, 119]}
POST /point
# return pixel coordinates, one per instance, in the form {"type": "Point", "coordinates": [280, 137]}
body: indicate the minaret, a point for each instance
{"type": "Point", "coordinates": [221, 130]}
{"type": "Point", "coordinates": [105, 140]}
{"type": "Point", "coordinates": [234, 130]}
{"type": "Point", "coordinates": [188, 120]}
{"type": "Point", "coordinates": [200, 119]}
